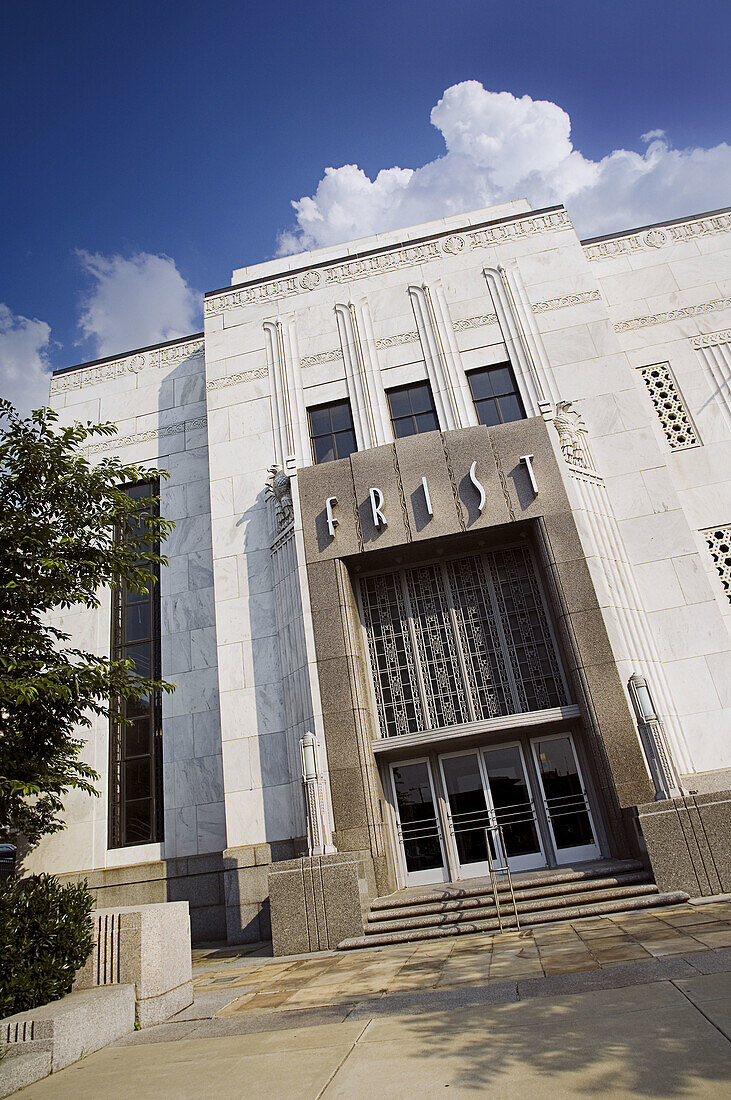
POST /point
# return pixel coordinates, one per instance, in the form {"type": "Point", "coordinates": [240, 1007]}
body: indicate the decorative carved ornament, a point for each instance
{"type": "Point", "coordinates": [321, 357]}
{"type": "Point", "coordinates": [566, 300]}
{"type": "Point", "coordinates": [394, 341]}
{"type": "Point", "coordinates": [658, 237]}
{"type": "Point", "coordinates": [128, 364]}
{"type": "Point", "coordinates": [475, 322]}
{"type": "Point", "coordinates": [711, 339]}
{"type": "Point", "coordinates": [673, 315]}
{"type": "Point", "coordinates": [234, 379]}
{"type": "Point", "coordinates": [279, 491]}
{"type": "Point", "coordinates": [573, 438]}
{"type": "Point", "coordinates": [114, 443]}
{"type": "Point", "coordinates": [408, 256]}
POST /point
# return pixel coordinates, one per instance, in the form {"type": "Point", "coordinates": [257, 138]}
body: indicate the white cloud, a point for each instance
{"type": "Point", "coordinates": [498, 148]}
{"type": "Point", "coordinates": [135, 302]}
{"type": "Point", "coordinates": [24, 365]}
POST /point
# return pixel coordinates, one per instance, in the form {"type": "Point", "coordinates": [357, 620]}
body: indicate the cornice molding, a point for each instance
{"type": "Point", "coordinates": [658, 237]}
{"type": "Point", "coordinates": [389, 260]}
{"type": "Point", "coordinates": [114, 443]}
{"type": "Point", "coordinates": [128, 364]}
{"type": "Point", "coordinates": [711, 339]}
{"type": "Point", "coordinates": [672, 315]}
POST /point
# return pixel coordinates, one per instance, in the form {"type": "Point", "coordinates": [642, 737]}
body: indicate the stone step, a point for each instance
{"type": "Point", "coordinates": [526, 880]}
{"type": "Point", "coordinates": [488, 911]}
{"type": "Point", "coordinates": [486, 898]}
{"type": "Point", "coordinates": [569, 913]}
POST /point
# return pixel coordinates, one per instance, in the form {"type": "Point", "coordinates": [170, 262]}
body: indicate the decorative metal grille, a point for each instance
{"type": "Point", "coordinates": [719, 543]}
{"type": "Point", "coordinates": [531, 653]}
{"type": "Point", "coordinates": [392, 655]}
{"type": "Point", "coordinates": [487, 676]}
{"type": "Point", "coordinates": [436, 645]}
{"type": "Point", "coordinates": [460, 641]}
{"type": "Point", "coordinates": [670, 407]}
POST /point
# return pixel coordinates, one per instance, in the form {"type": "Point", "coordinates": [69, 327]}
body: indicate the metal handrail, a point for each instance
{"type": "Point", "coordinates": [493, 878]}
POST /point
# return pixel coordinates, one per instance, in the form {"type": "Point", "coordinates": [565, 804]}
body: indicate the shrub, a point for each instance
{"type": "Point", "coordinates": [45, 937]}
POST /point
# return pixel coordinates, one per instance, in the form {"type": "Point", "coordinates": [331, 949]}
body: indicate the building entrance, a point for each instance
{"type": "Point", "coordinates": [448, 808]}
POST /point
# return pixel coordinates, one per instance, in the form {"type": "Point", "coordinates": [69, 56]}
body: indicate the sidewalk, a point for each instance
{"type": "Point", "coordinates": [623, 1005]}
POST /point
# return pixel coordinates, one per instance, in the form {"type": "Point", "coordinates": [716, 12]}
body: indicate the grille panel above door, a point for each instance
{"type": "Point", "coordinates": [460, 641]}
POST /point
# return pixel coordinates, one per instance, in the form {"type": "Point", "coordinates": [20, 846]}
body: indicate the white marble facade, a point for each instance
{"type": "Point", "coordinates": [578, 322]}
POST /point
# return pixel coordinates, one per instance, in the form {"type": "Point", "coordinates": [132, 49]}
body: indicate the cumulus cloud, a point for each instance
{"type": "Point", "coordinates": [500, 147]}
{"type": "Point", "coordinates": [135, 302]}
{"type": "Point", "coordinates": [24, 365]}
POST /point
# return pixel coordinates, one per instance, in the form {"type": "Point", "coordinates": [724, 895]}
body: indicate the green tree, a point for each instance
{"type": "Point", "coordinates": [68, 529]}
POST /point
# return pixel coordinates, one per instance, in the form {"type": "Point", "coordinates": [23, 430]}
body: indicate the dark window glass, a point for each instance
{"type": "Point", "coordinates": [412, 409]}
{"type": "Point", "coordinates": [495, 394]}
{"type": "Point", "coordinates": [331, 431]}
{"type": "Point", "coordinates": [135, 789]}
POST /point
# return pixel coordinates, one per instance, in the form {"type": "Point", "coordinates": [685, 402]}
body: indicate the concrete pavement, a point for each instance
{"type": "Point", "coordinates": [629, 1006]}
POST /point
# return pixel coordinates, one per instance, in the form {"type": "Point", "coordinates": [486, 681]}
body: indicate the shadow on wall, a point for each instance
{"type": "Point", "coordinates": [193, 792]}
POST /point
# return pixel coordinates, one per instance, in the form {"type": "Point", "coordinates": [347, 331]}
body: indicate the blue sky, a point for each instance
{"type": "Point", "coordinates": [149, 148]}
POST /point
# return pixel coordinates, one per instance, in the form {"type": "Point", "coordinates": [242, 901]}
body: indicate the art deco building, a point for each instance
{"type": "Point", "coordinates": [448, 588]}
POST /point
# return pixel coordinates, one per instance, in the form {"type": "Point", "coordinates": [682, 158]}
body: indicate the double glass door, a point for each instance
{"type": "Point", "coordinates": [490, 810]}
{"type": "Point", "coordinates": [468, 809]}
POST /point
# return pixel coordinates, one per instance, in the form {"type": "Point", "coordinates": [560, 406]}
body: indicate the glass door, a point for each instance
{"type": "Point", "coordinates": [418, 823]}
{"type": "Point", "coordinates": [485, 788]}
{"type": "Point", "coordinates": [564, 797]}
{"type": "Point", "coordinates": [513, 807]}
{"type": "Point", "coordinates": [470, 814]}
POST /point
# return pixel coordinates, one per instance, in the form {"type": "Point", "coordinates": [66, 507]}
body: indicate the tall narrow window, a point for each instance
{"type": "Point", "coordinates": [135, 788]}
{"type": "Point", "coordinates": [495, 394]}
{"type": "Point", "coordinates": [331, 431]}
{"type": "Point", "coordinates": [412, 409]}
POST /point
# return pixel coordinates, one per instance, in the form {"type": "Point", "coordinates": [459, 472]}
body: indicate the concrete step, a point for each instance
{"type": "Point", "coordinates": [468, 927]}
{"type": "Point", "coordinates": [523, 893]}
{"type": "Point", "coordinates": [525, 881]}
{"type": "Point", "coordinates": [535, 905]}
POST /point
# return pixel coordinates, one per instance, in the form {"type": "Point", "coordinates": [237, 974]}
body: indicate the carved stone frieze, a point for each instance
{"type": "Point", "coordinates": [672, 315]}
{"type": "Point", "coordinates": [658, 237]}
{"type": "Point", "coordinates": [475, 322]}
{"type": "Point", "coordinates": [128, 364]}
{"type": "Point", "coordinates": [234, 379]}
{"type": "Point", "coordinates": [711, 339]}
{"type": "Point", "coordinates": [321, 357]}
{"type": "Point", "coordinates": [394, 341]}
{"type": "Point", "coordinates": [566, 300]}
{"type": "Point", "coordinates": [116, 442]}
{"type": "Point", "coordinates": [391, 260]}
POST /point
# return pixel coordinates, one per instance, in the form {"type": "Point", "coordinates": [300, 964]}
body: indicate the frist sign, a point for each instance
{"type": "Point", "coordinates": [378, 500]}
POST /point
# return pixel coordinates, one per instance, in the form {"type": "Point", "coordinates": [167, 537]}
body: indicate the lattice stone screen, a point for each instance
{"type": "Point", "coordinates": [670, 407]}
{"type": "Point", "coordinates": [719, 543]}
{"type": "Point", "coordinates": [460, 641]}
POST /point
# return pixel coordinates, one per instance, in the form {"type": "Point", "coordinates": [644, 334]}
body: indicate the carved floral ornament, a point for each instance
{"type": "Point", "coordinates": [408, 256]}
{"type": "Point", "coordinates": [379, 505]}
